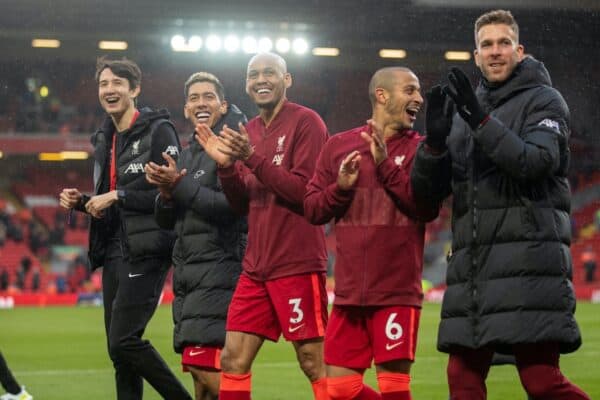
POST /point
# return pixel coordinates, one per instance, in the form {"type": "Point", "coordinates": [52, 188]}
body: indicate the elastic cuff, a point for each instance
{"type": "Point", "coordinates": [236, 382]}
{"type": "Point", "coordinates": [390, 382]}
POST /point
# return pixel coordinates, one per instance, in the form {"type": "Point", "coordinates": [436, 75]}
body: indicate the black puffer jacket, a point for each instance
{"type": "Point", "coordinates": [131, 219]}
{"type": "Point", "coordinates": [210, 244]}
{"type": "Point", "coordinates": [509, 274]}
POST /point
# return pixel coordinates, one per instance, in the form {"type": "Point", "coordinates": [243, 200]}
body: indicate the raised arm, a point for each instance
{"type": "Point", "coordinates": [231, 173]}
{"type": "Point", "coordinates": [290, 184]}
{"type": "Point", "coordinates": [331, 189]}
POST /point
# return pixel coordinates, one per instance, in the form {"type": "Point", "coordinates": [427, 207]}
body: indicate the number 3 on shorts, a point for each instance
{"type": "Point", "coordinates": [297, 314]}
{"type": "Point", "coordinates": [393, 330]}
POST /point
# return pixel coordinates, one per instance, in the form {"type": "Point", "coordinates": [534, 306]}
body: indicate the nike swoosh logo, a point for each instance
{"type": "Point", "coordinates": [134, 275]}
{"type": "Point", "coordinates": [390, 346]}
{"type": "Point", "coordinates": [295, 328]}
{"type": "Point", "coordinates": [195, 353]}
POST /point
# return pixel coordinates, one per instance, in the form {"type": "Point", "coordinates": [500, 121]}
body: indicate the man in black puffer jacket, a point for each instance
{"type": "Point", "coordinates": [504, 158]}
{"type": "Point", "coordinates": [124, 237]}
{"type": "Point", "coordinates": [211, 238]}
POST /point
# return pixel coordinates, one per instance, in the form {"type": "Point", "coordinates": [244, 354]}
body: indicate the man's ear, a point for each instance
{"type": "Point", "coordinates": [136, 92]}
{"type": "Point", "coordinates": [223, 107]}
{"type": "Point", "coordinates": [287, 78]}
{"type": "Point", "coordinates": [520, 52]}
{"type": "Point", "coordinates": [476, 57]}
{"type": "Point", "coordinates": [381, 95]}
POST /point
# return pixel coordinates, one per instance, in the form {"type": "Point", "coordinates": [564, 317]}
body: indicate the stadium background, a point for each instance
{"type": "Point", "coordinates": [48, 105]}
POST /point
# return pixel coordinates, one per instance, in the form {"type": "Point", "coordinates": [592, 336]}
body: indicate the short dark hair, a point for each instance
{"type": "Point", "coordinates": [204, 77]}
{"type": "Point", "coordinates": [497, 17]}
{"type": "Point", "coordinates": [123, 68]}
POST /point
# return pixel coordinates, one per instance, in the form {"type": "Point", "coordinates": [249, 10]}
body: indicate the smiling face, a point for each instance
{"type": "Point", "coordinates": [203, 104]}
{"type": "Point", "coordinates": [267, 80]}
{"type": "Point", "coordinates": [115, 93]}
{"type": "Point", "coordinates": [498, 51]}
{"type": "Point", "coordinates": [404, 99]}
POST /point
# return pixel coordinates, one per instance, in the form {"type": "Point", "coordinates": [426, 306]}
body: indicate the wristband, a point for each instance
{"type": "Point", "coordinates": [121, 197]}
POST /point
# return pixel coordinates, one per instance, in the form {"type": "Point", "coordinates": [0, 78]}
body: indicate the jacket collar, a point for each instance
{"type": "Point", "coordinates": [528, 73]}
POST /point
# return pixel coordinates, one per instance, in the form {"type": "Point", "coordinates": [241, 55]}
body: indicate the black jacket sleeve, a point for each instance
{"type": "Point", "coordinates": [205, 201]}
{"type": "Point", "coordinates": [430, 176]}
{"type": "Point", "coordinates": [534, 152]}
{"type": "Point", "coordinates": [165, 213]}
{"type": "Point", "coordinates": [164, 139]}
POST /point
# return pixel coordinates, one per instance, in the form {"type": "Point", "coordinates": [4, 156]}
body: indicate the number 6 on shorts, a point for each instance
{"type": "Point", "coordinates": [393, 330]}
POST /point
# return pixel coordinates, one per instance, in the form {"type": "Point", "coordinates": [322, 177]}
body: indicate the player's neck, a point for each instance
{"type": "Point", "coordinates": [269, 114]}
{"type": "Point", "coordinates": [389, 128]}
{"type": "Point", "coordinates": [123, 121]}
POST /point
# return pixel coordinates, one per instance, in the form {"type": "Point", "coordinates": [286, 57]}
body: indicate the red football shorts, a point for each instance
{"type": "Point", "coordinates": [202, 357]}
{"type": "Point", "coordinates": [357, 335]}
{"type": "Point", "coordinates": [295, 306]}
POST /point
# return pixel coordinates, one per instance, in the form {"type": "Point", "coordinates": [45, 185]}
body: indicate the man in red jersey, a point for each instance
{"type": "Point", "coordinates": [362, 180]}
{"type": "Point", "coordinates": [264, 169]}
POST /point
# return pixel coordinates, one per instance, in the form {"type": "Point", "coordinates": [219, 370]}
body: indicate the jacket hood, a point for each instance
{"type": "Point", "coordinates": [528, 73]}
{"type": "Point", "coordinates": [231, 118]}
{"type": "Point", "coordinates": [146, 117]}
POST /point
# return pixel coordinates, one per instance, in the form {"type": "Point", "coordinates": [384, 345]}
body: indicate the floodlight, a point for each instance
{"type": "Point", "coordinates": [112, 45]}
{"type": "Point", "coordinates": [194, 43]}
{"type": "Point", "coordinates": [392, 53]}
{"type": "Point", "coordinates": [453, 55]}
{"type": "Point", "coordinates": [265, 44]}
{"type": "Point", "coordinates": [46, 43]}
{"type": "Point", "coordinates": [177, 42]}
{"type": "Point", "coordinates": [231, 43]}
{"type": "Point", "coordinates": [249, 45]}
{"type": "Point", "coordinates": [283, 45]}
{"type": "Point", "coordinates": [213, 43]}
{"type": "Point", "coordinates": [326, 51]}
{"type": "Point", "coordinates": [300, 46]}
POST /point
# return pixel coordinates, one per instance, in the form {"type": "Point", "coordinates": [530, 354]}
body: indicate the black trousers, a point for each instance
{"type": "Point", "coordinates": [130, 300]}
{"type": "Point", "coordinates": [8, 381]}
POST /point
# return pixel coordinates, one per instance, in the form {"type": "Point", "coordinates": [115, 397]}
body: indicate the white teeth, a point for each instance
{"type": "Point", "coordinates": [263, 91]}
{"type": "Point", "coordinates": [112, 99]}
{"type": "Point", "coordinates": [202, 115]}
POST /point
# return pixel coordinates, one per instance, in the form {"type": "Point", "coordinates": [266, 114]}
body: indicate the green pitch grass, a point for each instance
{"type": "Point", "coordinates": [59, 354]}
